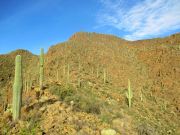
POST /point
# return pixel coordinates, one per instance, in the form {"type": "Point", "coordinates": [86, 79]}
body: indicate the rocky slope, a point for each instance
{"type": "Point", "coordinates": [153, 67]}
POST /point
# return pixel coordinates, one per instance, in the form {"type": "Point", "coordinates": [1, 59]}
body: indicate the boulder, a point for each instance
{"type": "Point", "coordinates": [108, 132]}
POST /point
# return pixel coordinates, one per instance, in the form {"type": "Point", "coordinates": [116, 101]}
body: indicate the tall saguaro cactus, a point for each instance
{"type": "Point", "coordinates": [41, 75]}
{"type": "Point", "coordinates": [129, 94]}
{"type": "Point", "coordinates": [17, 88]}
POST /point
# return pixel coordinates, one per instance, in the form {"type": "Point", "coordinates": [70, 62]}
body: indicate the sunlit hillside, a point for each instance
{"type": "Point", "coordinates": [85, 88]}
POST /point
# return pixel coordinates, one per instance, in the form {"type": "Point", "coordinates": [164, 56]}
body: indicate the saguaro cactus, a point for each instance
{"type": "Point", "coordinates": [79, 67]}
{"type": "Point", "coordinates": [17, 88]}
{"type": "Point", "coordinates": [79, 73]}
{"type": "Point", "coordinates": [104, 75]}
{"type": "Point", "coordinates": [41, 75]}
{"type": "Point", "coordinates": [68, 72]}
{"type": "Point", "coordinates": [57, 75]}
{"type": "Point", "coordinates": [141, 95]}
{"type": "Point", "coordinates": [129, 94]}
{"type": "Point", "coordinates": [97, 72]}
{"type": "Point", "coordinates": [64, 70]}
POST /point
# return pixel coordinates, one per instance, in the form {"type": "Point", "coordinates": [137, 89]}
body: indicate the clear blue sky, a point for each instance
{"type": "Point", "coordinates": [32, 24]}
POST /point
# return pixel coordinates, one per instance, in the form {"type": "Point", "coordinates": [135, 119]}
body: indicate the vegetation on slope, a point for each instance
{"type": "Point", "coordinates": [76, 93]}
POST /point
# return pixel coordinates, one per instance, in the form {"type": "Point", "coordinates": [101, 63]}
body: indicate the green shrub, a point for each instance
{"type": "Point", "coordinates": [32, 127]}
{"type": "Point", "coordinates": [106, 118]}
{"type": "Point", "coordinates": [86, 103]}
{"type": "Point", "coordinates": [31, 130]}
{"type": "Point", "coordinates": [61, 92]}
{"type": "Point", "coordinates": [5, 128]}
{"type": "Point", "coordinates": [84, 100]}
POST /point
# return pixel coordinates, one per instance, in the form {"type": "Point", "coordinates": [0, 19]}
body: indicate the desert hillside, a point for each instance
{"type": "Point", "coordinates": [85, 85]}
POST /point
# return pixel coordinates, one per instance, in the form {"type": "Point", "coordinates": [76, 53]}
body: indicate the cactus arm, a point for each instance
{"type": "Point", "coordinates": [127, 95]}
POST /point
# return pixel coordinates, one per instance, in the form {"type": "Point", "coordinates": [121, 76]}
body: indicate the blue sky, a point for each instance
{"type": "Point", "coordinates": [32, 24]}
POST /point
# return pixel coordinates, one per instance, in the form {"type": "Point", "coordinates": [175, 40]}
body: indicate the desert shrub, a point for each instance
{"type": "Point", "coordinates": [4, 128]}
{"type": "Point", "coordinates": [84, 99]}
{"type": "Point", "coordinates": [62, 92]}
{"type": "Point", "coordinates": [31, 130]}
{"type": "Point", "coordinates": [86, 103]}
{"type": "Point", "coordinates": [145, 129]}
{"type": "Point", "coordinates": [106, 118]}
{"type": "Point", "coordinates": [32, 126]}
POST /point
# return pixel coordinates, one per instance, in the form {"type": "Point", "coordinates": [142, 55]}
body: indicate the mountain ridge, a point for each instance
{"type": "Point", "coordinates": [101, 65]}
{"type": "Point", "coordinates": [86, 34]}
